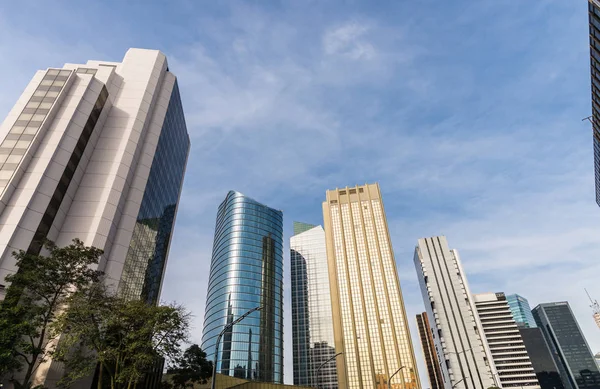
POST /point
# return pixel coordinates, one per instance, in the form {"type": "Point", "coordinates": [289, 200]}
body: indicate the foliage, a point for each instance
{"type": "Point", "coordinates": [125, 338]}
{"type": "Point", "coordinates": [192, 367]}
{"type": "Point", "coordinates": [37, 293]}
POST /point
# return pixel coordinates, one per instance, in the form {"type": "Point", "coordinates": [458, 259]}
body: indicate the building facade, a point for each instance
{"type": "Point", "coordinates": [456, 330]}
{"type": "Point", "coordinates": [594, 23]}
{"type": "Point", "coordinates": [574, 358]}
{"type": "Point", "coordinates": [96, 151]}
{"type": "Point", "coordinates": [246, 272]}
{"type": "Point", "coordinates": [541, 358]}
{"type": "Point", "coordinates": [504, 340]}
{"type": "Point", "coordinates": [432, 363]}
{"type": "Point", "coordinates": [521, 311]}
{"type": "Point", "coordinates": [312, 326]}
{"type": "Point", "coordinates": [370, 324]}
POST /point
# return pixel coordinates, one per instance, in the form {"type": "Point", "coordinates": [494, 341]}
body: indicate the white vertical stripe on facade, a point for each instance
{"type": "Point", "coordinates": [459, 346]}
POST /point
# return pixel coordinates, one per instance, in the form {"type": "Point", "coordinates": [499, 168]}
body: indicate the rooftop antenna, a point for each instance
{"type": "Point", "coordinates": [595, 307]}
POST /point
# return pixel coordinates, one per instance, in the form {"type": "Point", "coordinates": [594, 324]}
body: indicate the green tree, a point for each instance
{"type": "Point", "coordinates": [37, 293]}
{"type": "Point", "coordinates": [192, 367]}
{"type": "Point", "coordinates": [124, 338]}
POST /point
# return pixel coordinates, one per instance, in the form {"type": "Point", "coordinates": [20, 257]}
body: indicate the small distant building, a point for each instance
{"type": "Point", "coordinates": [521, 311]}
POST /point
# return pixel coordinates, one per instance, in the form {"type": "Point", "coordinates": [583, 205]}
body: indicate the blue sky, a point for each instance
{"type": "Point", "coordinates": [467, 113]}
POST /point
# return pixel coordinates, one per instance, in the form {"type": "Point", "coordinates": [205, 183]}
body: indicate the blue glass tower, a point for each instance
{"type": "Point", "coordinates": [521, 311]}
{"type": "Point", "coordinates": [246, 271]}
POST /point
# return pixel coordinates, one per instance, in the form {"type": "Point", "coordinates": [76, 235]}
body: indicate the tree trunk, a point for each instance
{"type": "Point", "coordinates": [100, 374]}
{"type": "Point", "coordinates": [29, 372]}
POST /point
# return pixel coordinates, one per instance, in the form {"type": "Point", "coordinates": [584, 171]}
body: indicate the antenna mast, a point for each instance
{"type": "Point", "coordinates": [595, 308]}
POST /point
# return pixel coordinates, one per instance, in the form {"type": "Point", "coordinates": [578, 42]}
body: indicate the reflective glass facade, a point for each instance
{"type": "Point", "coordinates": [521, 311]}
{"type": "Point", "coordinates": [541, 358]}
{"type": "Point", "coordinates": [147, 255]}
{"type": "Point", "coordinates": [594, 21]}
{"type": "Point", "coordinates": [370, 324]}
{"type": "Point", "coordinates": [574, 359]}
{"type": "Point", "coordinates": [312, 324]}
{"type": "Point", "coordinates": [246, 271]}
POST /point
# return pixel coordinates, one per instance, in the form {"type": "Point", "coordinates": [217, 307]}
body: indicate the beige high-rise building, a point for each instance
{"type": "Point", "coordinates": [370, 324]}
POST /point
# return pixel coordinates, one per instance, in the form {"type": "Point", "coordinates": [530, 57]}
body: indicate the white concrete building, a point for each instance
{"type": "Point", "coordinates": [504, 340]}
{"type": "Point", "coordinates": [460, 347]}
{"type": "Point", "coordinates": [96, 152]}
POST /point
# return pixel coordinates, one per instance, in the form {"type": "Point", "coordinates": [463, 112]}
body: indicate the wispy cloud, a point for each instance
{"type": "Point", "coordinates": [349, 41]}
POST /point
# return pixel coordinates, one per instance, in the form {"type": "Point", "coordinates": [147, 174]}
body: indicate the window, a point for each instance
{"type": "Point", "coordinates": [86, 71]}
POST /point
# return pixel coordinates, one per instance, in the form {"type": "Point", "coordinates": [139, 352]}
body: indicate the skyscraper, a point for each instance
{"type": "Point", "coordinates": [521, 311]}
{"type": "Point", "coordinates": [457, 332]}
{"type": "Point", "coordinates": [312, 326]}
{"type": "Point", "coordinates": [541, 358]}
{"type": "Point", "coordinates": [504, 340]}
{"type": "Point", "coordinates": [369, 321]}
{"type": "Point", "coordinates": [594, 22]}
{"type": "Point", "coordinates": [431, 360]}
{"type": "Point", "coordinates": [97, 152]}
{"type": "Point", "coordinates": [574, 358]}
{"type": "Point", "coordinates": [246, 272]}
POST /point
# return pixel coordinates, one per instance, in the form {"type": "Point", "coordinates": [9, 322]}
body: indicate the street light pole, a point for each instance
{"type": "Point", "coordinates": [459, 381]}
{"type": "Point", "coordinates": [390, 380]}
{"type": "Point", "coordinates": [460, 352]}
{"type": "Point", "coordinates": [324, 363]}
{"type": "Point", "coordinates": [457, 357]}
{"type": "Point", "coordinates": [225, 329]}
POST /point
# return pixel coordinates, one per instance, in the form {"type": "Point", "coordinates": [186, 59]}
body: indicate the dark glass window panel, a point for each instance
{"type": "Point", "coordinates": [146, 257]}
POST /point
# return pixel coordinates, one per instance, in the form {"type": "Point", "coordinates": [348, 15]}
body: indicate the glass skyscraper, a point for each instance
{"type": "Point", "coordinates": [146, 258]}
{"type": "Point", "coordinates": [96, 151]}
{"type": "Point", "coordinates": [246, 272]}
{"type": "Point", "coordinates": [541, 358]}
{"type": "Point", "coordinates": [369, 320]}
{"type": "Point", "coordinates": [594, 22]}
{"type": "Point", "coordinates": [574, 358]}
{"type": "Point", "coordinates": [521, 311]}
{"type": "Point", "coordinates": [312, 325]}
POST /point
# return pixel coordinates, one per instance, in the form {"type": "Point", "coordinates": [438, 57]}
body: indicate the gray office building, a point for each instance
{"type": "Point", "coordinates": [572, 354]}
{"type": "Point", "coordinates": [541, 358]}
{"type": "Point", "coordinates": [312, 323]}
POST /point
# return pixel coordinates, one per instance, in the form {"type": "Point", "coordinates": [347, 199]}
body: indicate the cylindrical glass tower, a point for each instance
{"type": "Point", "coordinates": [246, 271]}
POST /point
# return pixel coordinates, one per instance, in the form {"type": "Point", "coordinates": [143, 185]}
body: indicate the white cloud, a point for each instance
{"type": "Point", "coordinates": [349, 41]}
